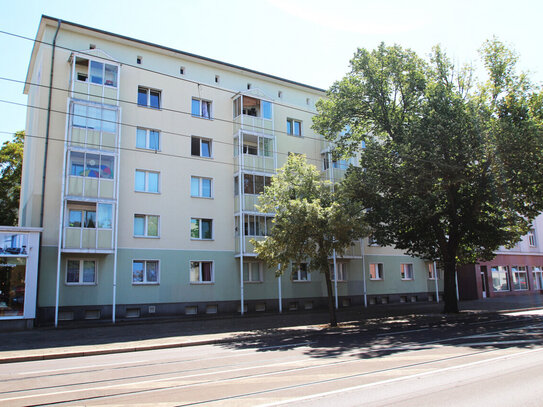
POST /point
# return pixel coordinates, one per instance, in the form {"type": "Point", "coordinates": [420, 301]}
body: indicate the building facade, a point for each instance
{"type": "Point", "coordinates": [144, 164]}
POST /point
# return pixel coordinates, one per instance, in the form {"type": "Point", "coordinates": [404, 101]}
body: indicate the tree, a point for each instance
{"type": "Point", "coordinates": [452, 168]}
{"type": "Point", "coordinates": [11, 161]}
{"type": "Point", "coordinates": [311, 221]}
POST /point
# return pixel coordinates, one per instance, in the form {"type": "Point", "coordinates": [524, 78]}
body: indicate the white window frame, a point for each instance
{"type": "Point", "coordinates": [200, 187]}
{"type": "Point", "coordinates": [342, 271]}
{"type": "Point", "coordinates": [200, 272]}
{"type": "Point", "coordinates": [292, 126]}
{"type": "Point", "coordinates": [148, 91]}
{"type": "Point", "coordinates": [81, 270]}
{"type": "Point", "coordinates": [145, 282]}
{"type": "Point", "coordinates": [532, 241]}
{"type": "Point", "coordinates": [515, 273]}
{"type": "Point", "coordinates": [148, 139]}
{"type": "Point", "coordinates": [432, 273]}
{"type": "Point", "coordinates": [200, 139]}
{"type": "Point", "coordinates": [379, 271]}
{"type": "Point", "coordinates": [200, 108]}
{"type": "Point", "coordinates": [260, 271]}
{"type": "Point", "coordinates": [404, 270]}
{"type": "Point", "coordinates": [146, 181]}
{"type": "Point", "coordinates": [200, 229]}
{"type": "Point", "coordinates": [146, 226]}
{"type": "Point", "coordinates": [297, 273]}
{"type": "Point", "coordinates": [88, 78]}
{"type": "Point", "coordinates": [537, 274]}
{"type": "Point", "coordinates": [500, 270]}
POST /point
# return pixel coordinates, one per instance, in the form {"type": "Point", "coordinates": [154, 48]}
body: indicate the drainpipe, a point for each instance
{"type": "Point", "coordinates": [280, 294]}
{"type": "Point", "coordinates": [42, 203]}
{"type": "Point", "coordinates": [364, 274]}
{"type": "Point", "coordinates": [437, 284]}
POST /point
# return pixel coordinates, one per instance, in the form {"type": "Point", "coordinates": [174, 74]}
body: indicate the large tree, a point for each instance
{"type": "Point", "coordinates": [11, 161]}
{"type": "Point", "coordinates": [452, 167]}
{"type": "Point", "coordinates": [312, 219]}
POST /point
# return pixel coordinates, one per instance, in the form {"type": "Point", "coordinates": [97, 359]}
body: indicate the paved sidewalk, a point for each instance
{"type": "Point", "coordinates": [127, 336]}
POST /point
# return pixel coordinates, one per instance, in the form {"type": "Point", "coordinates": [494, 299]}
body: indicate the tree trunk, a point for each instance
{"type": "Point", "coordinates": [451, 302]}
{"type": "Point", "coordinates": [331, 305]}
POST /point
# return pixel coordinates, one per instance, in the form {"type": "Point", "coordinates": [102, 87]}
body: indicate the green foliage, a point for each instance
{"type": "Point", "coordinates": [451, 170]}
{"type": "Point", "coordinates": [311, 221]}
{"type": "Point", "coordinates": [11, 161]}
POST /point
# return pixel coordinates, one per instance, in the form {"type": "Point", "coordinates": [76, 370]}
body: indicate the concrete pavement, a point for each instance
{"type": "Point", "coordinates": [127, 336]}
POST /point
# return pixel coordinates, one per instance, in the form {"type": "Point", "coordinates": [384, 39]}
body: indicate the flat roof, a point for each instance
{"type": "Point", "coordinates": [184, 53]}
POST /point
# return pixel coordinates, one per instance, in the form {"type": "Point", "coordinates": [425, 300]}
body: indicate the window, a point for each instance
{"type": "Point", "coordinates": [252, 272]}
{"type": "Point", "coordinates": [376, 271]}
{"type": "Point", "coordinates": [81, 272]}
{"type": "Point", "coordinates": [255, 145]}
{"type": "Point", "coordinates": [100, 73]}
{"type": "Point", "coordinates": [91, 165]}
{"type": "Point", "coordinates": [431, 273]}
{"type": "Point", "coordinates": [182, 70]}
{"type": "Point", "coordinates": [86, 217]}
{"type": "Point", "coordinates": [200, 147]}
{"type": "Point", "coordinates": [201, 187]}
{"type": "Point", "coordinates": [338, 164]}
{"type": "Point", "coordinates": [254, 184]}
{"type": "Point", "coordinates": [201, 108]}
{"type": "Point", "coordinates": [148, 97]}
{"type": "Point", "coordinates": [520, 278]}
{"type": "Point", "coordinates": [257, 225]}
{"type": "Point", "coordinates": [500, 280]}
{"type": "Point", "coordinates": [300, 273]}
{"type": "Point", "coordinates": [201, 272]}
{"type": "Point", "coordinates": [146, 181]}
{"type": "Point", "coordinates": [537, 273]}
{"type": "Point", "coordinates": [407, 271]}
{"type": "Point", "coordinates": [147, 139]}
{"type": "Point", "coordinates": [145, 272]}
{"type": "Point", "coordinates": [94, 118]}
{"type": "Point", "coordinates": [532, 242]}
{"type": "Point", "coordinates": [372, 241]}
{"type": "Point", "coordinates": [341, 271]}
{"type": "Point", "coordinates": [294, 127]}
{"type": "Point", "coordinates": [201, 229]}
{"type": "Point", "coordinates": [146, 225]}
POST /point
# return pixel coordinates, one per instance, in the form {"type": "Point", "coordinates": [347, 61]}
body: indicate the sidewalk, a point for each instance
{"type": "Point", "coordinates": [105, 338]}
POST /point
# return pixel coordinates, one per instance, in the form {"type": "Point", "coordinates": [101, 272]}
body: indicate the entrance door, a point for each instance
{"type": "Point", "coordinates": [483, 282]}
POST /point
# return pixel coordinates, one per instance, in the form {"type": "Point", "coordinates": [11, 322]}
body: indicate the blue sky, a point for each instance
{"type": "Point", "coordinates": [309, 41]}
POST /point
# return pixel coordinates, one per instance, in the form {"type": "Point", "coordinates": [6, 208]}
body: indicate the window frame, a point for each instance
{"type": "Point", "coordinates": [201, 103]}
{"type": "Point", "coordinates": [537, 277]}
{"type": "Point", "coordinates": [200, 281]}
{"type": "Point", "coordinates": [291, 126]}
{"type": "Point", "coordinates": [144, 281]}
{"type": "Point", "coordinates": [146, 181]}
{"type": "Point", "coordinates": [201, 139]}
{"type": "Point", "coordinates": [380, 271]}
{"type": "Point", "coordinates": [342, 271]}
{"type": "Point", "coordinates": [81, 272]}
{"type": "Point", "coordinates": [89, 75]}
{"type": "Point", "coordinates": [148, 139]}
{"type": "Point", "coordinates": [297, 273]}
{"type": "Point", "coordinates": [201, 188]}
{"type": "Point", "coordinates": [532, 240]}
{"type": "Point", "coordinates": [98, 168]}
{"type": "Point", "coordinates": [148, 91]}
{"type": "Point", "coordinates": [260, 271]}
{"type": "Point", "coordinates": [200, 229]}
{"type": "Point", "coordinates": [433, 273]}
{"type": "Point", "coordinates": [516, 271]}
{"type": "Point", "coordinates": [146, 226]}
{"type": "Point", "coordinates": [403, 273]}
{"type": "Point", "coordinates": [499, 270]}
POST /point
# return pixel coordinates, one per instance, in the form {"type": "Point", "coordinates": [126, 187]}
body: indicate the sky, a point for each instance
{"type": "Point", "coordinates": [308, 41]}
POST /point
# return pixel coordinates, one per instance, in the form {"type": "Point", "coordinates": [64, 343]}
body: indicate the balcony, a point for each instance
{"type": "Point", "coordinates": [88, 227]}
{"type": "Point", "coordinates": [253, 114]}
{"type": "Point", "coordinates": [94, 80]}
{"type": "Point", "coordinates": [90, 175]}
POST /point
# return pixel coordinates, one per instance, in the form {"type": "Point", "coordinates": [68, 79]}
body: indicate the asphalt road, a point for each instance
{"type": "Point", "coordinates": [496, 359]}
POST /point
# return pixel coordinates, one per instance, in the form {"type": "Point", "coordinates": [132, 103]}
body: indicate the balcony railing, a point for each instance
{"type": "Point", "coordinates": [87, 240]}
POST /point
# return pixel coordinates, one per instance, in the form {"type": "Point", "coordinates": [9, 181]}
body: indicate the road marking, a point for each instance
{"type": "Point", "coordinates": [417, 375]}
{"type": "Point", "coordinates": [404, 332]}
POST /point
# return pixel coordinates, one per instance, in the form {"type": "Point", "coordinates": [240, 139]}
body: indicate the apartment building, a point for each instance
{"type": "Point", "coordinates": [143, 164]}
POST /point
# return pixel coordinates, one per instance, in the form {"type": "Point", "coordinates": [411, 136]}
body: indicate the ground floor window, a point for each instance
{"type": "Point", "coordinates": [406, 271]}
{"type": "Point", "coordinates": [145, 272]}
{"type": "Point", "coordinates": [376, 271]}
{"type": "Point", "coordinates": [201, 272]}
{"type": "Point", "coordinates": [341, 271]}
{"type": "Point", "coordinates": [252, 272]}
{"type": "Point", "coordinates": [520, 278]}
{"type": "Point", "coordinates": [81, 272]}
{"type": "Point", "coordinates": [500, 280]}
{"type": "Point", "coordinates": [537, 274]}
{"type": "Point", "coordinates": [300, 273]}
{"type": "Point", "coordinates": [12, 286]}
